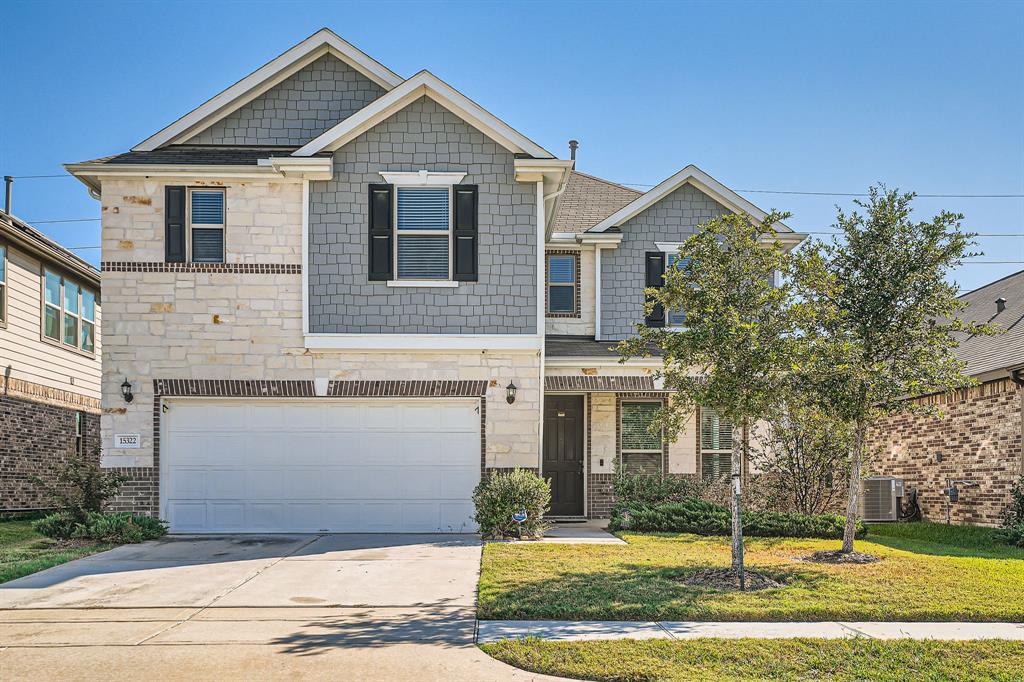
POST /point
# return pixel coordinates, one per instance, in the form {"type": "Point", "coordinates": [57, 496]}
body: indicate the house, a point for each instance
{"type": "Point", "coordinates": [49, 361]}
{"type": "Point", "coordinates": [977, 443]}
{"type": "Point", "coordinates": [340, 297]}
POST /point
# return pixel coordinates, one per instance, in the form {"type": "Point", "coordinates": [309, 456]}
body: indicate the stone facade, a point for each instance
{"type": "Point", "coordinates": [423, 136]}
{"type": "Point", "coordinates": [672, 219]}
{"type": "Point", "coordinates": [293, 112]}
{"type": "Point", "coordinates": [979, 439]}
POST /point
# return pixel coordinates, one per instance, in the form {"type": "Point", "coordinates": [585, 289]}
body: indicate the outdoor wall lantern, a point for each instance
{"type": "Point", "coordinates": [510, 393]}
{"type": "Point", "coordinates": [126, 391]}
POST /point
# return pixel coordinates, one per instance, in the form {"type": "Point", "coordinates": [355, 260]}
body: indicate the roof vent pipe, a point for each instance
{"type": "Point", "coordinates": [1000, 304]}
{"type": "Point", "coordinates": [8, 181]}
{"type": "Point", "coordinates": [573, 145]}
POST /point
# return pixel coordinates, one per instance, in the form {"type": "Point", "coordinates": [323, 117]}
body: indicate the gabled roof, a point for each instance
{"type": "Point", "coordinates": [587, 200]}
{"type": "Point", "coordinates": [1003, 351]}
{"type": "Point", "coordinates": [699, 179]}
{"type": "Point", "coordinates": [267, 76]}
{"type": "Point", "coordinates": [422, 84]}
{"type": "Point", "coordinates": [29, 238]}
{"type": "Point", "coordinates": [199, 155]}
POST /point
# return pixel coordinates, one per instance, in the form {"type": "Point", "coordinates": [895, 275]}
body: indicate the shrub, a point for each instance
{"type": "Point", "coordinates": [1012, 530]}
{"type": "Point", "coordinates": [59, 526]}
{"type": "Point", "coordinates": [116, 528]}
{"type": "Point", "coordinates": [646, 490]}
{"type": "Point", "coordinates": [502, 494]}
{"type": "Point", "coordinates": [704, 518]}
{"type": "Point", "coordinates": [81, 487]}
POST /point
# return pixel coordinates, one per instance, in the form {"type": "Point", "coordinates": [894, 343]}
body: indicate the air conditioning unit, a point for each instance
{"type": "Point", "coordinates": [880, 498]}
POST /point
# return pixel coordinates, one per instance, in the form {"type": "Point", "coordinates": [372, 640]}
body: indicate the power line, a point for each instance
{"type": "Point", "coordinates": [852, 194]}
{"type": "Point", "coordinates": [37, 177]}
{"type": "Point", "coordinates": [68, 220]}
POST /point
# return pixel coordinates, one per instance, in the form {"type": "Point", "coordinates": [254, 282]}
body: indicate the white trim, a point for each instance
{"type": "Point", "coordinates": [90, 173]}
{"type": "Point", "coordinates": [597, 292]}
{"type": "Point", "coordinates": [422, 177]}
{"type": "Point", "coordinates": [579, 362]}
{"type": "Point", "coordinates": [445, 283]}
{"type": "Point", "coordinates": [423, 83]}
{"type": "Point", "coordinates": [267, 76]}
{"type": "Point", "coordinates": [449, 233]}
{"type": "Point", "coordinates": [668, 247]}
{"type": "Point", "coordinates": [699, 179]}
{"type": "Point", "coordinates": [307, 168]}
{"type": "Point", "coordinates": [529, 343]}
{"type": "Point", "coordinates": [542, 320]}
{"type": "Point", "coordinates": [305, 256]}
{"type": "Point", "coordinates": [612, 239]}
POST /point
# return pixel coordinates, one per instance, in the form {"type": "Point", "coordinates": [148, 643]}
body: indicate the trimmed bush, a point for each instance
{"type": "Point", "coordinates": [648, 490]}
{"type": "Point", "coordinates": [115, 528]}
{"type": "Point", "coordinates": [1012, 530]}
{"type": "Point", "coordinates": [704, 518]}
{"type": "Point", "coordinates": [502, 494]}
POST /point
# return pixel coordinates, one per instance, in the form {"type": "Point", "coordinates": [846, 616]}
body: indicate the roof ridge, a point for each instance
{"type": "Point", "coordinates": [992, 283]}
{"type": "Point", "coordinates": [607, 182]}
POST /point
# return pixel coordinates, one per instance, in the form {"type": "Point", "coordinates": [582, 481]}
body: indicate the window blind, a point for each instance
{"type": "Point", "coordinates": [422, 257]}
{"type": "Point", "coordinates": [207, 245]}
{"type": "Point", "coordinates": [636, 420]}
{"type": "Point", "coordinates": [207, 208]}
{"type": "Point", "coordinates": [423, 208]}
{"type": "Point", "coordinates": [715, 431]}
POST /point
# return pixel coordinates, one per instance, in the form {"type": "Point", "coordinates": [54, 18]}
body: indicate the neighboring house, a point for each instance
{"type": "Point", "coordinates": [49, 361]}
{"type": "Point", "coordinates": [979, 438]}
{"type": "Point", "coordinates": [340, 297]}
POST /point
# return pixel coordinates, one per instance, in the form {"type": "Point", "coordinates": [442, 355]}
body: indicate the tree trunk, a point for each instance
{"type": "Point", "coordinates": [737, 510]}
{"type": "Point", "coordinates": [851, 505]}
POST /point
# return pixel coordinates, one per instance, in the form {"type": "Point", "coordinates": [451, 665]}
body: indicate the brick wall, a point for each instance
{"type": "Point", "coordinates": [36, 439]}
{"type": "Point", "coordinates": [979, 439]}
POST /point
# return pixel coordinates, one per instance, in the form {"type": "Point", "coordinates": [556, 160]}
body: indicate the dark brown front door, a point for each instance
{"type": "Point", "coordinates": [563, 453]}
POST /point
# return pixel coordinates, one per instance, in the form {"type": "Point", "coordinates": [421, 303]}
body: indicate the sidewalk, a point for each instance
{"type": "Point", "coordinates": [562, 630]}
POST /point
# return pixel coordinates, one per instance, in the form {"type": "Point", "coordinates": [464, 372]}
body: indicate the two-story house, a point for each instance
{"type": "Point", "coordinates": [49, 361]}
{"type": "Point", "coordinates": [340, 297]}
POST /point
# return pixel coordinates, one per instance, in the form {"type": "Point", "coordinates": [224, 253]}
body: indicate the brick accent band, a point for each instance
{"type": "Point", "coordinates": [408, 389]}
{"type": "Point", "coordinates": [232, 268]}
{"type": "Point", "coordinates": [28, 390]}
{"type": "Point", "coordinates": [233, 388]}
{"type": "Point", "coordinates": [644, 384]}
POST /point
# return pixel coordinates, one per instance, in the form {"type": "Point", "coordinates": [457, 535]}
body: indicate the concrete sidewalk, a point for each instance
{"type": "Point", "coordinates": [565, 631]}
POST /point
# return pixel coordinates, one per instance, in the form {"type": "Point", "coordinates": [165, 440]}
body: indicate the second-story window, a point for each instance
{"type": "Point", "coordinates": [676, 317]}
{"type": "Point", "coordinates": [206, 225]}
{"type": "Point", "coordinates": [423, 231]}
{"type": "Point", "coordinates": [562, 284]}
{"type": "Point", "coordinates": [69, 313]}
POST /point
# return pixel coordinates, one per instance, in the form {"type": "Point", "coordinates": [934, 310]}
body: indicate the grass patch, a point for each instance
{"type": "Point", "coordinates": [760, 659]}
{"type": "Point", "coordinates": [24, 551]}
{"type": "Point", "coordinates": [916, 579]}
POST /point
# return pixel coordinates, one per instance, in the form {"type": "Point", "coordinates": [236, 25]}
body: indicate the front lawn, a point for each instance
{"type": "Point", "coordinates": [659, 660]}
{"type": "Point", "coordinates": [920, 577]}
{"type": "Point", "coordinates": [24, 551]}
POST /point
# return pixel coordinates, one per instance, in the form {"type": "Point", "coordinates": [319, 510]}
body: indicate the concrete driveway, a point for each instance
{"type": "Point", "coordinates": [366, 607]}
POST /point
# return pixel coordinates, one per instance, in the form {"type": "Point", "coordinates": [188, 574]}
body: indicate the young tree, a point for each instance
{"type": "Point", "coordinates": [738, 346]}
{"type": "Point", "coordinates": [886, 317]}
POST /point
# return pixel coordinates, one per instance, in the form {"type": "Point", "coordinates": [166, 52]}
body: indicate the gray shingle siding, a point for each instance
{"type": "Point", "coordinates": [422, 136]}
{"type": "Point", "coordinates": [298, 109]}
{"type": "Point", "coordinates": [672, 219]}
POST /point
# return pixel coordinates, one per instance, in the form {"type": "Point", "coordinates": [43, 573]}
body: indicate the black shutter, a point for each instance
{"type": "Point", "coordinates": [174, 224]}
{"type": "Point", "coordinates": [381, 233]}
{"type": "Point", "coordinates": [655, 270]}
{"type": "Point", "coordinates": [465, 233]}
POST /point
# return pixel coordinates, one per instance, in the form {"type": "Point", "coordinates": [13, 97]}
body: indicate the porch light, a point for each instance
{"type": "Point", "coordinates": [510, 393]}
{"type": "Point", "coordinates": [126, 391]}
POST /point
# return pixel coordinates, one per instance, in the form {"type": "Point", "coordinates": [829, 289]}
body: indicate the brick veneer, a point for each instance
{"type": "Point", "coordinates": [979, 439]}
{"type": "Point", "coordinates": [212, 268]}
{"type": "Point", "coordinates": [35, 440]}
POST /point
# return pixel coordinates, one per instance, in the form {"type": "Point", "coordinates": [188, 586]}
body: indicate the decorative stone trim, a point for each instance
{"type": "Point", "coordinates": [28, 390]}
{"type": "Point", "coordinates": [408, 389]}
{"type": "Point", "coordinates": [607, 384]}
{"type": "Point", "coordinates": [233, 268]}
{"type": "Point", "coordinates": [985, 390]}
{"type": "Point", "coordinates": [576, 286]}
{"type": "Point", "coordinates": [233, 388]}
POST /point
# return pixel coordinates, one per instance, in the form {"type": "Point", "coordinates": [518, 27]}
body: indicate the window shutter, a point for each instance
{"type": "Point", "coordinates": [174, 224]}
{"type": "Point", "coordinates": [655, 270]}
{"type": "Point", "coordinates": [465, 267]}
{"type": "Point", "coordinates": [379, 266]}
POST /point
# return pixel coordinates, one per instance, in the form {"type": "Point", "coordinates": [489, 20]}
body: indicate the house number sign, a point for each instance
{"type": "Point", "coordinates": [127, 441]}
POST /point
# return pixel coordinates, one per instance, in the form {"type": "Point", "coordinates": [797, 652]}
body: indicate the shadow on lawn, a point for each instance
{"type": "Point", "coordinates": [915, 546]}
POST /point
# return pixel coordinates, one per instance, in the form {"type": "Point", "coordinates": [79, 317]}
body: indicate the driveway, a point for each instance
{"type": "Point", "coordinates": [367, 607]}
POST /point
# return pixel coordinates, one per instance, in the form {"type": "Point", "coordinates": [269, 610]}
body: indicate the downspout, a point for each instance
{"type": "Point", "coordinates": [541, 332]}
{"type": "Point", "coordinates": [597, 292]}
{"type": "Point", "coordinates": [1017, 377]}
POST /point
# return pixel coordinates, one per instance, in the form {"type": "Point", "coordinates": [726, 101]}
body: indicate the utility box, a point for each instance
{"type": "Point", "coordinates": [880, 498]}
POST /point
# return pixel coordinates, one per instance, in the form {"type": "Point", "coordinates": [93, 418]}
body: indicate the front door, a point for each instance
{"type": "Point", "coordinates": [563, 453]}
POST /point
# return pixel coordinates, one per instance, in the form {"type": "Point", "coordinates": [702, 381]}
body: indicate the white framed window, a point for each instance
{"type": "Point", "coordinates": [423, 232]}
{"type": "Point", "coordinates": [69, 313]}
{"type": "Point", "coordinates": [3, 285]}
{"type": "Point", "coordinates": [675, 317]}
{"type": "Point", "coordinates": [562, 284]}
{"type": "Point", "coordinates": [205, 211]}
{"type": "Point", "coordinates": [716, 438]}
{"type": "Point", "coordinates": [635, 419]}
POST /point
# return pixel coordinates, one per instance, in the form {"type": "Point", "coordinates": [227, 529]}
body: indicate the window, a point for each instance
{"type": "Point", "coordinates": [676, 317]}
{"type": "Point", "coordinates": [79, 433]}
{"type": "Point", "coordinates": [69, 313]}
{"type": "Point", "coordinates": [3, 284]}
{"type": "Point", "coordinates": [562, 284]}
{"type": "Point", "coordinates": [423, 231]}
{"type": "Point", "coordinates": [636, 419]}
{"type": "Point", "coordinates": [715, 445]}
{"type": "Point", "coordinates": [206, 225]}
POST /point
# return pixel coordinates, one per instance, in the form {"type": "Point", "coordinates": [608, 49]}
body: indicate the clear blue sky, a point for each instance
{"type": "Point", "coordinates": [829, 97]}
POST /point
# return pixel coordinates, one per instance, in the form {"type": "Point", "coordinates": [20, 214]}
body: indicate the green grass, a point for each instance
{"type": "Point", "coordinates": [24, 551]}
{"type": "Point", "coordinates": [919, 578]}
{"type": "Point", "coordinates": [760, 659]}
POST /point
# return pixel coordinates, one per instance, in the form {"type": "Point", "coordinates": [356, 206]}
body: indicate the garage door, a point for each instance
{"type": "Point", "coordinates": [257, 466]}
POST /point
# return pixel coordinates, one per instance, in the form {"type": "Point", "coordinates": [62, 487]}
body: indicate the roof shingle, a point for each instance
{"type": "Point", "coordinates": [588, 200]}
{"type": "Point", "coordinates": [1003, 351]}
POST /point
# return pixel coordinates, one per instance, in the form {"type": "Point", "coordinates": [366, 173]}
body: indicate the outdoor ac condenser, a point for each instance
{"type": "Point", "coordinates": [880, 498]}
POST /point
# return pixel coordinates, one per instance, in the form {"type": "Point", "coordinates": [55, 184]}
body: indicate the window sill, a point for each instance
{"type": "Point", "coordinates": [443, 283]}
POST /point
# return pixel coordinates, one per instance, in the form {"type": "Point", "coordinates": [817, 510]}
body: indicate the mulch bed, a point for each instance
{"type": "Point", "coordinates": [729, 580]}
{"type": "Point", "coordinates": [836, 556]}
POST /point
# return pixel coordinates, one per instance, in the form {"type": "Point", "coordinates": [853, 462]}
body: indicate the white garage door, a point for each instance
{"type": "Point", "coordinates": [257, 466]}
